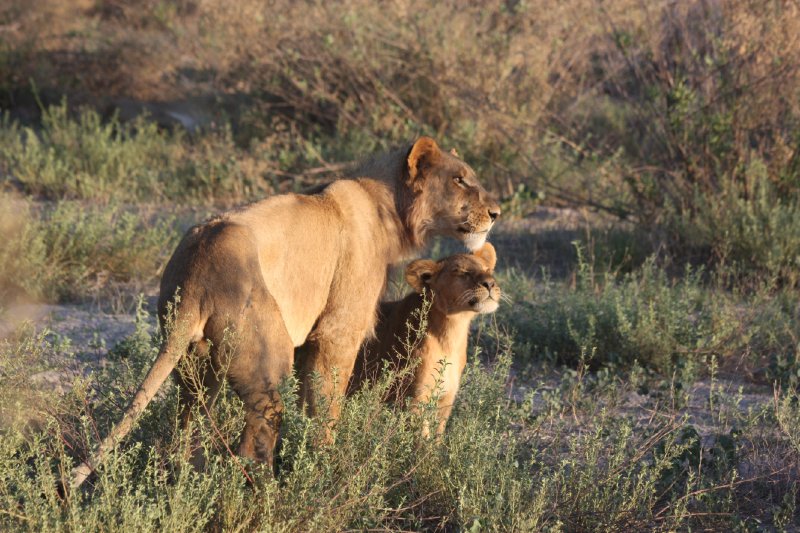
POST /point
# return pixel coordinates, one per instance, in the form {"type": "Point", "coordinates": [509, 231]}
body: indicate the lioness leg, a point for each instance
{"type": "Point", "coordinates": [333, 361]}
{"type": "Point", "coordinates": [194, 379]}
{"type": "Point", "coordinates": [264, 355]}
{"type": "Point", "coordinates": [445, 406]}
{"type": "Point", "coordinates": [435, 380]}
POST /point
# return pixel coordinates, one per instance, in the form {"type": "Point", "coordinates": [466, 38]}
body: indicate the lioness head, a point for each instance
{"type": "Point", "coordinates": [463, 282]}
{"type": "Point", "coordinates": [447, 195]}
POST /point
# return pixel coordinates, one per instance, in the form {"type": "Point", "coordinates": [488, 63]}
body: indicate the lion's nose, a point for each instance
{"type": "Point", "coordinates": [488, 284]}
{"type": "Point", "coordinates": [494, 212]}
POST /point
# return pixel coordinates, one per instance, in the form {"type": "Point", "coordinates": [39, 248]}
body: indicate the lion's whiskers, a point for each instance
{"type": "Point", "coordinates": [466, 296]}
{"type": "Point", "coordinates": [458, 219]}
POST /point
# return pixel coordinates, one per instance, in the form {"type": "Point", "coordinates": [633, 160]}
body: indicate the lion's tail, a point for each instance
{"type": "Point", "coordinates": [172, 350]}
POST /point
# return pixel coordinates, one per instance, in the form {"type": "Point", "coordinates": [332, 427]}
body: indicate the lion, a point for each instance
{"type": "Point", "coordinates": [300, 272]}
{"type": "Point", "coordinates": [454, 290]}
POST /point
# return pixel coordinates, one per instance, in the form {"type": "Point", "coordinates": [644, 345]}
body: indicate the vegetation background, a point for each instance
{"type": "Point", "coordinates": [647, 155]}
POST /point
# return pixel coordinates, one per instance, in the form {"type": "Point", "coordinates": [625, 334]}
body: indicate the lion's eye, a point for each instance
{"type": "Point", "coordinates": [458, 180]}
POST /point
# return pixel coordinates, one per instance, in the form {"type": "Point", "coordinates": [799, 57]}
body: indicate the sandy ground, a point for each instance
{"type": "Point", "coordinates": [91, 333]}
{"type": "Point", "coordinates": [87, 327]}
{"type": "Point", "coordinates": [83, 333]}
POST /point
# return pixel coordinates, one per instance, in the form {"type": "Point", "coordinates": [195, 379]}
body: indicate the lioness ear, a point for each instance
{"type": "Point", "coordinates": [453, 152]}
{"type": "Point", "coordinates": [420, 272]}
{"type": "Point", "coordinates": [424, 153]}
{"type": "Point", "coordinates": [487, 254]}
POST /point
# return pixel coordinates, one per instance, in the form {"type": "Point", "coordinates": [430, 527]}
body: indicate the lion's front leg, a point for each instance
{"type": "Point", "coordinates": [332, 361]}
{"type": "Point", "coordinates": [439, 381]}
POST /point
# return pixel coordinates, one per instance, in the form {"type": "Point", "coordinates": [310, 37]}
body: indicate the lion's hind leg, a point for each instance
{"type": "Point", "coordinates": [264, 357]}
{"type": "Point", "coordinates": [199, 383]}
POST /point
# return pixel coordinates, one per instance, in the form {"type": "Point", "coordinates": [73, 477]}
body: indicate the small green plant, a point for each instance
{"type": "Point", "coordinates": [673, 325]}
{"type": "Point", "coordinates": [639, 319]}
{"type": "Point", "coordinates": [67, 250]}
{"type": "Point", "coordinates": [379, 473]}
{"type": "Point", "coordinates": [82, 156]}
{"type": "Point", "coordinates": [582, 464]}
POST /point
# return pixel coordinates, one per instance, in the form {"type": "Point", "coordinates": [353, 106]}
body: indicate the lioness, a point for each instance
{"type": "Point", "coordinates": [301, 270]}
{"type": "Point", "coordinates": [460, 287]}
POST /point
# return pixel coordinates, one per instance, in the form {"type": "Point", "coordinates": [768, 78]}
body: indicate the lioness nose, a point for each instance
{"type": "Point", "coordinates": [489, 284]}
{"type": "Point", "coordinates": [494, 212]}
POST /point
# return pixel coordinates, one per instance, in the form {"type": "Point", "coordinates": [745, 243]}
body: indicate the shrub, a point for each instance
{"type": "Point", "coordinates": [68, 250]}
{"type": "Point", "coordinates": [647, 317]}
{"type": "Point", "coordinates": [750, 226]}
{"type": "Point", "coordinates": [378, 474]}
{"type": "Point", "coordinates": [701, 105]}
{"type": "Point", "coordinates": [675, 115]}
{"type": "Point", "coordinates": [85, 157]}
{"type": "Point", "coordinates": [643, 318]}
{"type": "Point", "coordinates": [499, 466]}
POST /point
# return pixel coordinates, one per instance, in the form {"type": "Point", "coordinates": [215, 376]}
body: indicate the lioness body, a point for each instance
{"type": "Point", "coordinates": [308, 252]}
{"type": "Point", "coordinates": [330, 288]}
{"type": "Point", "coordinates": [300, 271]}
{"type": "Point", "coordinates": [460, 287]}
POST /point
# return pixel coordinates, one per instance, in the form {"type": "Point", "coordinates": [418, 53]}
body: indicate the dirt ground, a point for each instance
{"type": "Point", "coordinates": [89, 333]}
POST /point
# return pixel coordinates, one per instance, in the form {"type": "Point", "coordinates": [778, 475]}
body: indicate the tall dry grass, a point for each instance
{"type": "Point", "coordinates": [682, 116]}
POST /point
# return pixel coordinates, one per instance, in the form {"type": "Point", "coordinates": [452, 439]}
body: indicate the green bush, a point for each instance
{"type": "Point", "coordinates": [379, 473]}
{"type": "Point", "coordinates": [642, 318]}
{"type": "Point", "coordinates": [68, 250]}
{"type": "Point", "coordinates": [651, 319]}
{"type": "Point", "coordinates": [82, 156]}
{"type": "Point", "coordinates": [499, 466]}
{"type": "Point", "coordinates": [700, 110]}
{"type": "Point", "coordinates": [752, 226]}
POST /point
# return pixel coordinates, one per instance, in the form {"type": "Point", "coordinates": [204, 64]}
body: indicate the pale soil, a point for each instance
{"type": "Point", "coordinates": [91, 333]}
{"type": "Point", "coordinates": [83, 333]}
{"type": "Point", "coordinates": [711, 406]}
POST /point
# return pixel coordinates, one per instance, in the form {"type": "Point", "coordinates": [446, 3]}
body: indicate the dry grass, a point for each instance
{"type": "Point", "coordinates": [646, 110]}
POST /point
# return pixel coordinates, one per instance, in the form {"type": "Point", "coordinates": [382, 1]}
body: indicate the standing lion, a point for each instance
{"type": "Point", "coordinates": [304, 271]}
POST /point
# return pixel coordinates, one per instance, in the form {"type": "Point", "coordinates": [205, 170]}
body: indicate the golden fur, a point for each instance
{"type": "Point", "coordinates": [460, 286]}
{"type": "Point", "coordinates": [301, 272]}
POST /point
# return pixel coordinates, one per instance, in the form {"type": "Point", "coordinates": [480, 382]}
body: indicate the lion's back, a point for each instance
{"type": "Point", "coordinates": [215, 257]}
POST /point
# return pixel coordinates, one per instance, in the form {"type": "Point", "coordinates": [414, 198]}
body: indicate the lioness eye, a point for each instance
{"type": "Point", "coordinates": [459, 181]}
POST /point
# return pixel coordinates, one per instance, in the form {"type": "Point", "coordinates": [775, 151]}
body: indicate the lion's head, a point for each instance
{"type": "Point", "coordinates": [463, 282]}
{"type": "Point", "coordinates": [447, 197]}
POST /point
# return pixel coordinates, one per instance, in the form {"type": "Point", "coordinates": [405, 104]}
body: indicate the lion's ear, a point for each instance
{"type": "Point", "coordinates": [487, 254]}
{"type": "Point", "coordinates": [424, 153]}
{"type": "Point", "coordinates": [454, 152]}
{"type": "Point", "coordinates": [420, 272]}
